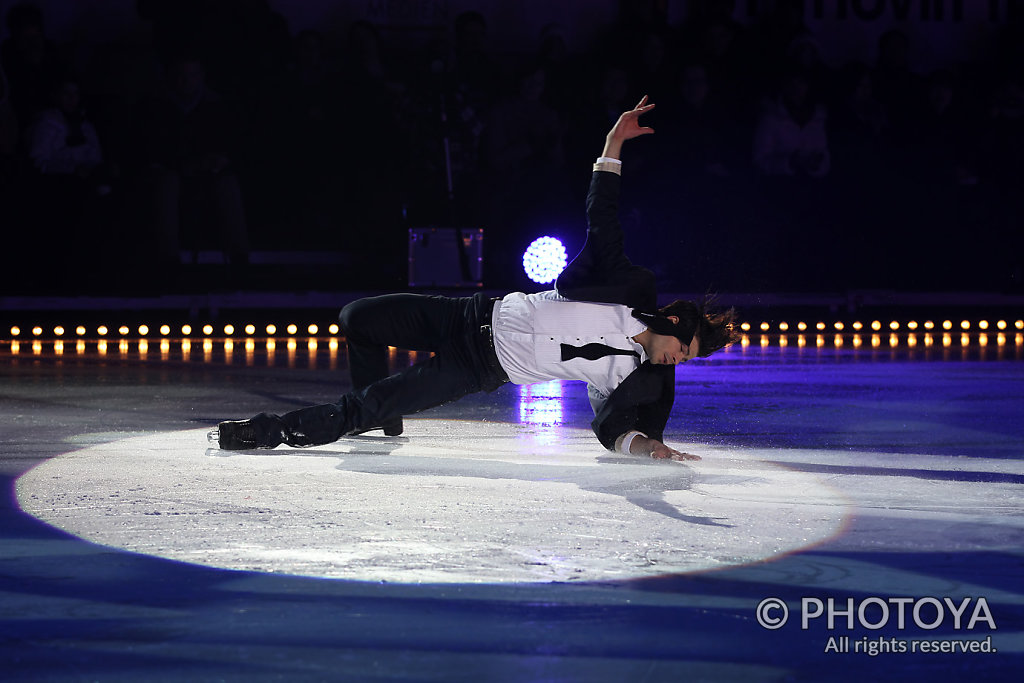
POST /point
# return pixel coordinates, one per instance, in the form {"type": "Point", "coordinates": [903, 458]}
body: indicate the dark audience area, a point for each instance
{"type": "Point", "coordinates": [222, 130]}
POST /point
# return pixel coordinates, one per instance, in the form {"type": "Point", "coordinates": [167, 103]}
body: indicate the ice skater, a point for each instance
{"type": "Point", "coordinates": [600, 325]}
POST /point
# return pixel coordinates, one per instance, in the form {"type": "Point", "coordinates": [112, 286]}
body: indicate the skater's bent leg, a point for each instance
{"type": "Point", "coordinates": [434, 382]}
{"type": "Point", "coordinates": [409, 321]}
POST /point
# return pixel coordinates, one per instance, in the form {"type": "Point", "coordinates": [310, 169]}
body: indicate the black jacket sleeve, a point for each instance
{"type": "Point", "coordinates": [642, 402]}
{"type": "Point", "coordinates": [602, 271]}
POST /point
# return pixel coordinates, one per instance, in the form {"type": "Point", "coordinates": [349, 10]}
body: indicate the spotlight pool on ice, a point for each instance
{"type": "Point", "coordinates": [450, 501]}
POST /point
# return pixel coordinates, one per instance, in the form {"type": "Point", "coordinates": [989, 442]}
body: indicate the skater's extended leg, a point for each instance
{"type": "Point", "coordinates": [436, 381]}
{"type": "Point", "coordinates": [464, 362]}
{"type": "Point", "coordinates": [409, 321]}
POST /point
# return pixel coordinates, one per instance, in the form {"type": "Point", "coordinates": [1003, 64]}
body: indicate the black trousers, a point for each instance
{"type": "Point", "coordinates": [456, 330]}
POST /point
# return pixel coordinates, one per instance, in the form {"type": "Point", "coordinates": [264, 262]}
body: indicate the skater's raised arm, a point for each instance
{"type": "Point", "coordinates": [626, 128]}
{"type": "Point", "coordinates": [602, 271]}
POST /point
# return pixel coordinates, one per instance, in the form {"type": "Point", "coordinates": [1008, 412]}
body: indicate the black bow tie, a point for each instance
{"type": "Point", "coordinates": [593, 351]}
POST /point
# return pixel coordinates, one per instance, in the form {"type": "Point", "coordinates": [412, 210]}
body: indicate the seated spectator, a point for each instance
{"type": "Point", "coordinates": [596, 110]}
{"type": "Point", "coordinates": [855, 107]}
{"type": "Point", "coordinates": [66, 193]}
{"type": "Point", "coordinates": [8, 131]}
{"type": "Point", "coordinates": [895, 85]}
{"type": "Point", "coordinates": [31, 61]}
{"type": "Point", "coordinates": [790, 137]}
{"type": "Point", "coordinates": [944, 135]}
{"type": "Point", "coordinates": [525, 158]}
{"type": "Point", "coordinates": [699, 141]}
{"type": "Point", "coordinates": [524, 134]}
{"type": "Point", "coordinates": [858, 135]}
{"type": "Point", "coordinates": [188, 145]}
{"type": "Point", "coordinates": [62, 141]}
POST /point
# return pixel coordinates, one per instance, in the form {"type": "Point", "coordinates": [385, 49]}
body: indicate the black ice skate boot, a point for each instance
{"type": "Point", "coordinates": [261, 431]}
{"type": "Point", "coordinates": [393, 427]}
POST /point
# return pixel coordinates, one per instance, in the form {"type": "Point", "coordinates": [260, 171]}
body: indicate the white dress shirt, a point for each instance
{"type": "Point", "coordinates": [529, 330]}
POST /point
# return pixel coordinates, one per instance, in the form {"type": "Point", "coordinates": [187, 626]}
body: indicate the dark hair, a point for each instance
{"type": "Point", "coordinates": [716, 328]}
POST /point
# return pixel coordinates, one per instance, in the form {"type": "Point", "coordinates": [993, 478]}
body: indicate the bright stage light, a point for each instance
{"type": "Point", "coordinates": [58, 331]}
{"type": "Point", "coordinates": [947, 324]}
{"type": "Point", "coordinates": [765, 327]}
{"type": "Point", "coordinates": [15, 331]}
{"type": "Point", "coordinates": [143, 330]}
{"type": "Point", "coordinates": [250, 329]}
{"type": "Point", "coordinates": [207, 330]}
{"type": "Point", "coordinates": [123, 330]}
{"type": "Point", "coordinates": [313, 329]}
{"type": "Point", "coordinates": [783, 326]}
{"type": "Point", "coordinates": [894, 325]}
{"type": "Point", "coordinates": [292, 329]}
{"type": "Point", "coordinates": [965, 324]}
{"type": "Point", "coordinates": [102, 330]}
{"type": "Point", "coordinates": [165, 330]}
{"type": "Point", "coordinates": [745, 327]}
{"type": "Point", "coordinates": [271, 329]}
{"type": "Point", "coordinates": [37, 331]}
{"type": "Point", "coordinates": [229, 330]}
{"type": "Point", "coordinates": [80, 330]}
{"type": "Point", "coordinates": [876, 325]}
{"type": "Point", "coordinates": [544, 259]}
{"type": "Point", "coordinates": [801, 326]}
{"type": "Point", "coordinates": [333, 329]}
{"type": "Point", "coordinates": [839, 325]}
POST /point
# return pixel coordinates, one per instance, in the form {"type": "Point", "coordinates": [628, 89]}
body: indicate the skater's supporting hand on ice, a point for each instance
{"type": "Point", "coordinates": [626, 128]}
{"type": "Point", "coordinates": [641, 445]}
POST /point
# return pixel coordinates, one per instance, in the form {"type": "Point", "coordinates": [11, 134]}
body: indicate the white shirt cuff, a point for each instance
{"type": "Point", "coordinates": [608, 165]}
{"type": "Point", "coordinates": [626, 440]}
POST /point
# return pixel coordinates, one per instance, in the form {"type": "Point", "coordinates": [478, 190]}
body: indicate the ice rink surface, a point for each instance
{"type": "Point", "coordinates": [856, 515]}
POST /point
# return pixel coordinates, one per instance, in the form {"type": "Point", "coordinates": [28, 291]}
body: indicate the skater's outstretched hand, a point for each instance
{"type": "Point", "coordinates": [663, 452]}
{"type": "Point", "coordinates": [626, 128]}
{"type": "Point", "coordinates": [641, 445]}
